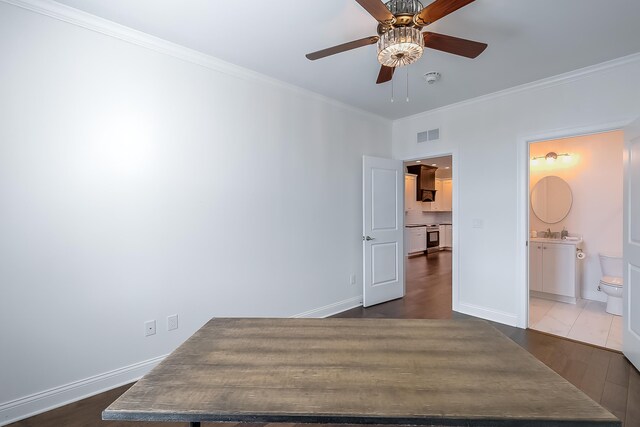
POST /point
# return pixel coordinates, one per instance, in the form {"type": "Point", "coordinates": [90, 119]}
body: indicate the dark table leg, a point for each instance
{"type": "Point", "coordinates": [194, 424]}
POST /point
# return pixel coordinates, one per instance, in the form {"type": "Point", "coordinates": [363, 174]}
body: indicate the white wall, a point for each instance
{"type": "Point", "coordinates": [135, 185]}
{"type": "Point", "coordinates": [488, 135]}
{"type": "Point", "coordinates": [594, 175]}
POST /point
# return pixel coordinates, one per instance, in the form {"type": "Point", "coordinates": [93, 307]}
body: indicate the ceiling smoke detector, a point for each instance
{"type": "Point", "coordinates": [431, 77]}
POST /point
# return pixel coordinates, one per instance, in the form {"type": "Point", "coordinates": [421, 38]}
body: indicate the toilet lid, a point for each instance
{"type": "Point", "coordinates": [611, 281]}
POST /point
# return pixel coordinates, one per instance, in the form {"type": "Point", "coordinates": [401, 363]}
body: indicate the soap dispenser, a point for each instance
{"type": "Point", "coordinates": [564, 233]}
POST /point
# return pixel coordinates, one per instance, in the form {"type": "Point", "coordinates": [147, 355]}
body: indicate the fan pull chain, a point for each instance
{"type": "Point", "coordinates": [407, 83]}
{"type": "Point", "coordinates": [391, 88]}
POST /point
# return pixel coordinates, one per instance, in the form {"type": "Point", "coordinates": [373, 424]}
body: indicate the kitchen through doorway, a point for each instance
{"type": "Point", "coordinates": [429, 234]}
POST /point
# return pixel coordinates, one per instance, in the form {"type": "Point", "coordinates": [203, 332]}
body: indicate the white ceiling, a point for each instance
{"type": "Point", "coordinates": [528, 41]}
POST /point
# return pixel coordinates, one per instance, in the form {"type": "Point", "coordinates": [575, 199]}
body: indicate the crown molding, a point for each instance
{"type": "Point", "coordinates": [91, 22]}
{"type": "Point", "coordinates": [85, 20]}
{"type": "Point", "coordinates": [545, 83]}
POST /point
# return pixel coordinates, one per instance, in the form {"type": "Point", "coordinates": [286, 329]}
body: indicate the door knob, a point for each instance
{"type": "Point", "coordinates": [368, 238]}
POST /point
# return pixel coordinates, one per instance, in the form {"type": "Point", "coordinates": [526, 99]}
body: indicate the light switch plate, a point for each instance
{"type": "Point", "coordinates": [172, 322]}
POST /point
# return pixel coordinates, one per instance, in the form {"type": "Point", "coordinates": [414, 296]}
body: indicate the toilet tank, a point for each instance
{"type": "Point", "coordinates": [611, 265]}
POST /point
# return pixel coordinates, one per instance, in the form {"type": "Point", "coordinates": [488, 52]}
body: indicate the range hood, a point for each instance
{"type": "Point", "coordinates": [426, 182]}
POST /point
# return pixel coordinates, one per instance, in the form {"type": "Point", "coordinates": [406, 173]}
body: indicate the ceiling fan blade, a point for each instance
{"type": "Point", "coordinates": [385, 75]}
{"type": "Point", "coordinates": [342, 48]}
{"type": "Point", "coordinates": [378, 10]}
{"type": "Point", "coordinates": [439, 9]}
{"type": "Point", "coordinates": [454, 45]}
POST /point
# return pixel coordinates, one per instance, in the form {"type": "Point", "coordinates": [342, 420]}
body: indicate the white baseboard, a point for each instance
{"type": "Point", "coordinates": [47, 400]}
{"type": "Point", "coordinates": [488, 314]}
{"type": "Point", "coordinates": [553, 297]}
{"type": "Point", "coordinates": [331, 309]}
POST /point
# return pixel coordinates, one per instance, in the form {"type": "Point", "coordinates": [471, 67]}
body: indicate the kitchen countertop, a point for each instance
{"type": "Point", "coordinates": [426, 225]}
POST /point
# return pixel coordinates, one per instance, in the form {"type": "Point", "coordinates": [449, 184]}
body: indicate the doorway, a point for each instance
{"type": "Point", "coordinates": [429, 229]}
{"type": "Point", "coordinates": [575, 235]}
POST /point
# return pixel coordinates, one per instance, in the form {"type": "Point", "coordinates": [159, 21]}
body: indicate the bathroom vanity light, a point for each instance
{"type": "Point", "coordinates": [551, 158]}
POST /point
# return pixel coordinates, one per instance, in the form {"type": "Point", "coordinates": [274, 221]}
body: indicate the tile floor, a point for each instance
{"type": "Point", "coordinates": [586, 321]}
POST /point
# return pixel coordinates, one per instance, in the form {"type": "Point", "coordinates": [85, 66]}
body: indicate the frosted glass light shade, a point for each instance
{"type": "Point", "coordinates": [400, 46]}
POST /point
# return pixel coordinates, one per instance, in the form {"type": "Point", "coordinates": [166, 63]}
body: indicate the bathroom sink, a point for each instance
{"type": "Point", "coordinates": [555, 240]}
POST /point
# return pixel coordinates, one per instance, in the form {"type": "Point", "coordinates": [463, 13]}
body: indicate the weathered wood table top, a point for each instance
{"type": "Point", "coordinates": [386, 371]}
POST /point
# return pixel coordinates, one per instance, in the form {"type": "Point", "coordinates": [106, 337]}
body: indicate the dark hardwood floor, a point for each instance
{"type": "Point", "coordinates": [606, 376]}
{"type": "Point", "coordinates": [428, 292]}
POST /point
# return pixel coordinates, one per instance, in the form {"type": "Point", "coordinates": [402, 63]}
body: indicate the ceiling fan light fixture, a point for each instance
{"type": "Point", "coordinates": [400, 46]}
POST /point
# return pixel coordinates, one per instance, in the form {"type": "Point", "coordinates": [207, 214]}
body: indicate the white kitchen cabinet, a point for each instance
{"type": "Point", "coordinates": [434, 206]}
{"type": "Point", "coordinates": [410, 183]}
{"type": "Point", "coordinates": [553, 270]}
{"type": "Point", "coordinates": [447, 195]}
{"type": "Point", "coordinates": [416, 239]}
{"type": "Point", "coordinates": [443, 197]}
{"type": "Point", "coordinates": [447, 237]}
{"type": "Point", "coordinates": [441, 229]}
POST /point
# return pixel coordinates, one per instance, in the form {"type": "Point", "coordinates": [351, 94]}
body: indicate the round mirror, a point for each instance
{"type": "Point", "coordinates": [551, 199]}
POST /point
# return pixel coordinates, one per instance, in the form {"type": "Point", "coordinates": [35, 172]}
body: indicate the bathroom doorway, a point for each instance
{"type": "Point", "coordinates": [429, 230]}
{"type": "Point", "coordinates": [575, 243]}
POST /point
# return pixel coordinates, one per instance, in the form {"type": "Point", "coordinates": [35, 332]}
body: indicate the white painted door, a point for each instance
{"type": "Point", "coordinates": [631, 245]}
{"type": "Point", "coordinates": [383, 224]}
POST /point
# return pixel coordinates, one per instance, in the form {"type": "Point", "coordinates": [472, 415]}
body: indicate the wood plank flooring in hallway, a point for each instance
{"type": "Point", "coordinates": [606, 376]}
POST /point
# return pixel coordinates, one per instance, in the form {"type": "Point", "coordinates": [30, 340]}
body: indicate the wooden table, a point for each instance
{"type": "Point", "coordinates": [358, 371]}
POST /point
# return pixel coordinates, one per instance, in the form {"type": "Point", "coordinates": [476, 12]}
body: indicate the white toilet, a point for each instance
{"type": "Point", "coordinates": [611, 282]}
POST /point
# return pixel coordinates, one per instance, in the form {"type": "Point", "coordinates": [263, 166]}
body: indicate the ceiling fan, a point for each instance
{"type": "Point", "coordinates": [400, 40]}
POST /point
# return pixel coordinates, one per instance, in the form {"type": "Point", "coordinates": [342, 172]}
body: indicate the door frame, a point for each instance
{"type": "Point", "coordinates": [455, 252]}
{"type": "Point", "coordinates": [522, 199]}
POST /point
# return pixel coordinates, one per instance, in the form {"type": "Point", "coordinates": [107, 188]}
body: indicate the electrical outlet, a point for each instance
{"type": "Point", "coordinates": [172, 322]}
{"type": "Point", "coordinates": [149, 328]}
{"type": "Point", "coordinates": [352, 279]}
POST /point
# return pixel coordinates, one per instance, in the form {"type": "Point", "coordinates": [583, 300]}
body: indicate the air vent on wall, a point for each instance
{"type": "Point", "coordinates": [429, 135]}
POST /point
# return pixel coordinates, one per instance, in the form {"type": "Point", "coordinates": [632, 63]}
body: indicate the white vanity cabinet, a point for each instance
{"type": "Point", "coordinates": [535, 266]}
{"type": "Point", "coordinates": [553, 270]}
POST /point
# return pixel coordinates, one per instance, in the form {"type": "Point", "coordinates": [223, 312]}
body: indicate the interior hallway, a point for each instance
{"type": "Point", "coordinates": [606, 376]}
